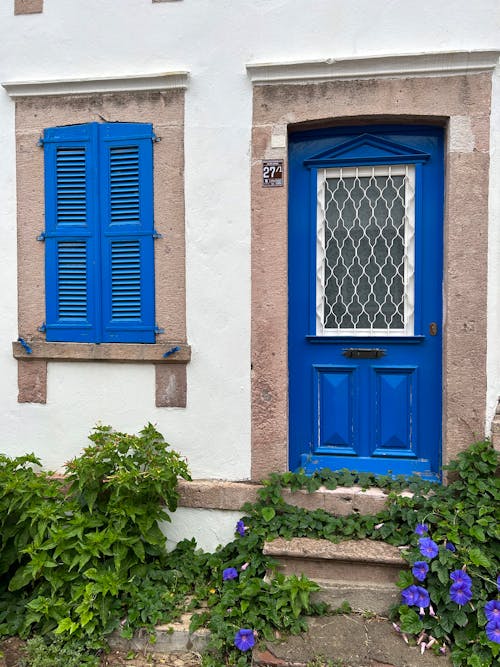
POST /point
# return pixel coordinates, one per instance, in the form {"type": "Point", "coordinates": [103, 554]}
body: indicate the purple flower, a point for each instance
{"type": "Point", "coordinates": [493, 631]}
{"type": "Point", "coordinates": [410, 595]}
{"type": "Point", "coordinates": [415, 596]}
{"type": "Point", "coordinates": [492, 610]}
{"type": "Point", "coordinates": [244, 639]}
{"type": "Point", "coordinates": [240, 528]}
{"type": "Point", "coordinates": [460, 593]}
{"type": "Point", "coordinates": [421, 529]}
{"type": "Point", "coordinates": [229, 573]}
{"type": "Point", "coordinates": [498, 582]}
{"type": "Point", "coordinates": [420, 569]}
{"type": "Point", "coordinates": [423, 599]}
{"type": "Point", "coordinates": [462, 577]}
{"type": "Point", "coordinates": [428, 547]}
{"type": "Point", "coordinates": [451, 547]}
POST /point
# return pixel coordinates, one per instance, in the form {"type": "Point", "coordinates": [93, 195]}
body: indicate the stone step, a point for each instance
{"type": "Point", "coordinates": [171, 638]}
{"type": "Point", "coordinates": [361, 572]}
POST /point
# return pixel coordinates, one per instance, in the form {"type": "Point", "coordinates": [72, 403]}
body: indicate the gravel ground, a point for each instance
{"type": "Point", "coordinates": [117, 658]}
{"type": "Point", "coordinates": [13, 650]}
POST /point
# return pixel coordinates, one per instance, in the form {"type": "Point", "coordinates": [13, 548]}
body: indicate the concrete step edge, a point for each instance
{"type": "Point", "coordinates": [359, 551]}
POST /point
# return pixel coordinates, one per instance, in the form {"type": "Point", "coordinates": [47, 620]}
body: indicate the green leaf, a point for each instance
{"type": "Point", "coordinates": [479, 558]}
{"type": "Point", "coordinates": [410, 621]}
{"type": "Point", "coordinates": [268, 513]}
{"type": "Point", "coordinates": [405, 579]}
{"type": "Point", "coordinates": [21, 578]}
{"type": "Point", "coordinates": [478, 533]}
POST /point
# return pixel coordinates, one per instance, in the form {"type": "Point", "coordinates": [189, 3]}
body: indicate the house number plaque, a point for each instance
{"type": "Point", "coordinates": [272, 173]}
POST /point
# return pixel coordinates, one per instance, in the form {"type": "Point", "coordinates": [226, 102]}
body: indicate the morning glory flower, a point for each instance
{"type": "Point", "coordinates": [244, 639]}
{"type": "Point", "coordinates": [421, 529]}
{"type": "Point", "coordinates": [240, 528]}
{"type": "Point", "coordinates": [410, 595]}
{"type": "Point", "coordinates": [493, 631]}
{"type": "Point", "coordinates": [415, 596]}
{"type": "Point", "coordinates": [428, 547]}
{"type": "Point", "coordinates": [461, 576]}
{"type": "Point", "coordinates": [423, 599]}
{"type": "Point", "coordinates": [492, 610]}
{"type": "Point", "coordinates": [460, 593]}
{"type": "Point", "coordinates": [451, 547]}
{"type": "Point", "coordinates": [498, 582]}
{"type": "Point", "coordinates": [229, 573]}
{"type": "Point", "coordinates": [420, 569]}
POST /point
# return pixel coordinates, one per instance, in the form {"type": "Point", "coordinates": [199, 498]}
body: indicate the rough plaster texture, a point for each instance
{"type": "Point", "coordinates": [28, 6]}
{"type": "Point", "coordinates": [209, 527]}
{"type": "Point", "coordinates": [462, 105]}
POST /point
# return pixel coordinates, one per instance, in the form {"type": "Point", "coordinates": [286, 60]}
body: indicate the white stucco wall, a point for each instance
{"type": "Point", "coordinates": [213, 40]}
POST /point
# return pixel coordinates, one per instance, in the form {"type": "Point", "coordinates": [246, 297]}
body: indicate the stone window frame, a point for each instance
{"type": "Point", "coordinates": [157, 99]}
{"type": "Point", "coordinates": [451, 90]}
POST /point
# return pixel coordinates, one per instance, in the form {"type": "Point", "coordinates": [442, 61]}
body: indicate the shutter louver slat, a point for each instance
{"type": "Point", "coordinates": [125, 280]}
{"type": "Point", "coordinates": [124, 185]}
{"type": "Point", "coordinates": [72, 280]}
{"type": "Point", "coordinates": [71, 189]}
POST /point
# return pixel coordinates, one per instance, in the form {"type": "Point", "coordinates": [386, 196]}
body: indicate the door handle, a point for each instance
{"type": "Point", "coordinates": [433, 328]}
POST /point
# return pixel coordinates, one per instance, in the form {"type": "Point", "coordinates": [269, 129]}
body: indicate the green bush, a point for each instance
{"type": "Point", "coordinates": [72, 555]}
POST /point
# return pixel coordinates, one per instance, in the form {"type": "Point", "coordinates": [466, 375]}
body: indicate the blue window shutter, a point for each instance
{"type": "Point", "coordinates": [127, 251]}
{"type": "Point", "coordinates": [71, 216]}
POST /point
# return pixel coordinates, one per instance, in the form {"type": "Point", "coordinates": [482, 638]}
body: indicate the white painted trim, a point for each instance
{"type": "Point", "coordinates": [118, 84]}
{"type": "Point", "coordinates": [362, 67]}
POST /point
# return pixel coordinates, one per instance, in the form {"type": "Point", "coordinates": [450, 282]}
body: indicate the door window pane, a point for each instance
{"type": "Point", "coordinates": [365, 251]}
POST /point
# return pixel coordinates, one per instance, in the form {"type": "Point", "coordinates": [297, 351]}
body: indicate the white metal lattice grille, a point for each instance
{"type": "Point", "coordinates": [365, 251]}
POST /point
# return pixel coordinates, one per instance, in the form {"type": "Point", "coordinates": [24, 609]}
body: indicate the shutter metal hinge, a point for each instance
{"type": "Point", "coordinates": [25, 345]}
{"type": "Point", "coordinates": [172, 350]}
{"type": "Point", "coordinates": [158, 330]}
{"type": "Point", "coordinates": [157, 235]}
{"type": "Point", "coordinates": [42, 328]}
{"type": "Point", "coordinates": [155, 139]}
{"type": "Point", "coordinates": [40, 142]}
{"type": "Point", "coordinates": [41, 237]}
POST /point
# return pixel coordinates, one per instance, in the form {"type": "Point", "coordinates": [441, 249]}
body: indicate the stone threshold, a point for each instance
{"type": "Point", "coordinates": [232, 495]}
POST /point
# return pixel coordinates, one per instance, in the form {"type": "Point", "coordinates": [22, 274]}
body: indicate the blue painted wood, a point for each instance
{"type": "Point", "coordinates": [391, 407]}
{"type": "Point", "coordinates": [71, 244]}
{"type": "Point", "coordinates": [99, 233]}
{"type": "Point", "coordinates": [126, 176]}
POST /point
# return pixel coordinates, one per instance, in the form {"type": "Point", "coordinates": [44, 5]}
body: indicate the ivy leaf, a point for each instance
{"type": "Point", "coordinates": [460, 618]}
{"type": "Point", "coordinates": [474, 660]}
{"type": "Point", "coordinates": [410, 621]}
{"type": "Point", "coordinates": [478, 533]}
{"type": "Point", "coordinates": [479, 558]}
{"type": "Point", "coordinates": [268, 513]}
{"type": "Point", "coordinates": [405, 579]}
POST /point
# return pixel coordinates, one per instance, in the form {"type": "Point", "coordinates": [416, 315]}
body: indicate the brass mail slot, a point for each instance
{"type": "Point", "coordinates": [364, 353]}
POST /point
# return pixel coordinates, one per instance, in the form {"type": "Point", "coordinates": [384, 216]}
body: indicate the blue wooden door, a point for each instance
{"type": "Point", "coordinates": [365, 299]}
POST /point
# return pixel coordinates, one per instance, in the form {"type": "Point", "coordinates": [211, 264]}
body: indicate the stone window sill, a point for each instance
{"type": "Point", "coordinates": [169, 359]}
{"type": "Point", "coordinates": [118, 352]}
